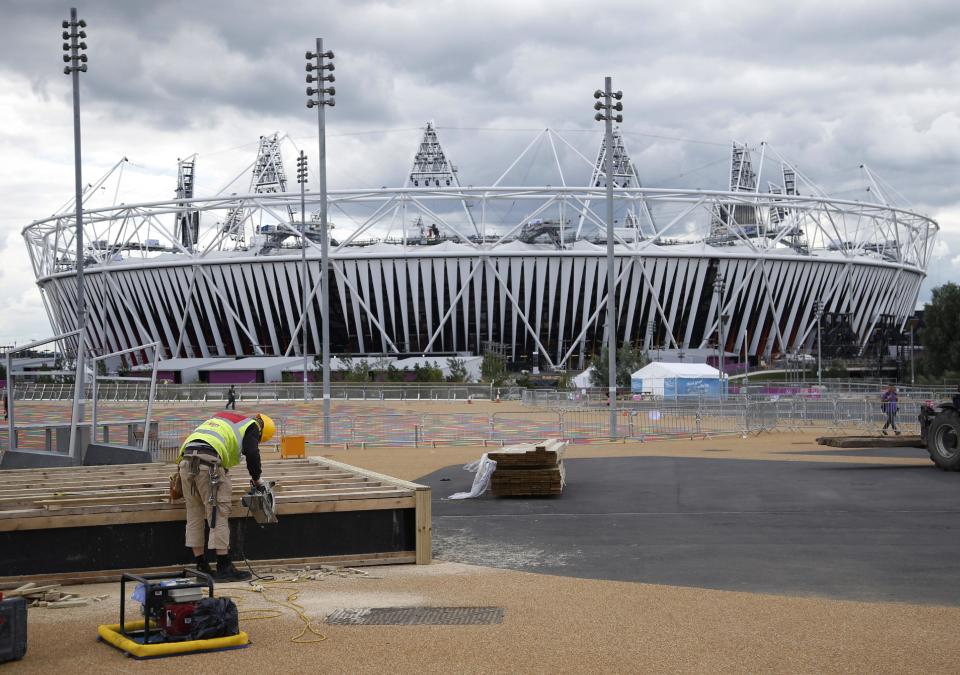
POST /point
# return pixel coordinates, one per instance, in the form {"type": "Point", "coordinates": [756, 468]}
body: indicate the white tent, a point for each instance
{"type": "Point", "coordinates": [582, 381]}
{"type": "Point", "coordinates": [672, 380]}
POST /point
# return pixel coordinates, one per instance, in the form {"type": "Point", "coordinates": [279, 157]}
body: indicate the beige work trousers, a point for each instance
{"type": "Point", "coordinates": [199, 508]}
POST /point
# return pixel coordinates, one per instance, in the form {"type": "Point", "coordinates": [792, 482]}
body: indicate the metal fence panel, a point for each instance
{"type": "Point", "coordinates": [451, 428]}
{"type": "Point", "coordinates": [519, 427]}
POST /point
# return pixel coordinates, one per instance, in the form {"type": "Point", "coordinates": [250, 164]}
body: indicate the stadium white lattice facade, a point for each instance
{"type": "Point", "coordinates": [437, 267]}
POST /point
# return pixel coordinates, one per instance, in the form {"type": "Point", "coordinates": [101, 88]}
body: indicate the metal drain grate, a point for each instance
{"type": "Point", "coordinates": [416, 616]}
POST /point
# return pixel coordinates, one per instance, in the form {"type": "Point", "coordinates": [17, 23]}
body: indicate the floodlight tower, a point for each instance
{"type": "Point", "coordinates": [302, 180]}
{"type": "Point", "coordinates": [719, 286]}
{"type": "Point", "coordinates": [605, 102]}
{"type": "Point", "coordinates": [76, 60]}
{"type": "Point", "coordinates": [818, 308]}
{"type": "Point", "coordinates": [321, 97]}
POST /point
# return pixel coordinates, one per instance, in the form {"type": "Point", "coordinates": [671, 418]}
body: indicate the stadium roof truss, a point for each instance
{"type": "Point", "coordinates": [480, 223]}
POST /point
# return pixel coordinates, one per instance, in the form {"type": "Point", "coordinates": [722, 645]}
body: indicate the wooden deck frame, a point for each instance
{"type": "Point", "coordinates": [36, 500]}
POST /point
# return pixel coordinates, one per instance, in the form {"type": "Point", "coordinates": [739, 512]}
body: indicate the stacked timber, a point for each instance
{"type": "Point", "coordinates": [51, 595]}
{"type": "Point", "coordinates": [529, 470]}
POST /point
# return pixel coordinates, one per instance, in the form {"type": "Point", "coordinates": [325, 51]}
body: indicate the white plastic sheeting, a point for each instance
{"type": "Point", "coordinates": [484, 467]}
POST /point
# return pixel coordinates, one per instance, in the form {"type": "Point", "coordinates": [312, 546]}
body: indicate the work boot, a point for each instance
{"type": "Point", "coordinates": [202, 565]}
{"type": "Point", "coordinates": [227, 571]}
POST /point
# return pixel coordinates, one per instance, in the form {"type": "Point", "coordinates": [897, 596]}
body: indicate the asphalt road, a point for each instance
{"type": "Point", "coordinates": [840, 530]}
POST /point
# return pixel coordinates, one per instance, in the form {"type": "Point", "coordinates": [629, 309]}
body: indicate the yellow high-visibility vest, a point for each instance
{"type": "Point", "coordinates": [224, 433]}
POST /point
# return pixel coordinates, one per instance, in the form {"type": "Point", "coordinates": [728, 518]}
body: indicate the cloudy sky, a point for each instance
{"type": "Point", "coordinates": [830, 85]}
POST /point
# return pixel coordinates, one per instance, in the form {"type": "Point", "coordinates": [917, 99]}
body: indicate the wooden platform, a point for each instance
{"type": "Point", "coordinates": [850, 442]}
{"type": "Point", "coordinates": [529, 470]}
{"type": "Point", "coordinates": [96, 521]}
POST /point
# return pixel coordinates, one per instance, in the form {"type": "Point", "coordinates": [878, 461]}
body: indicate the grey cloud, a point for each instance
{"type": "Point", "coordinates": [828, 84]}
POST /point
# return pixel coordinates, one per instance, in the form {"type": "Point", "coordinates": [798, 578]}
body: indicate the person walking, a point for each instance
{"type": "Point", "coordinates": [231, 398]}
{"type": "Point", "coordinates": [204, 464]}
{"type": "Point", "coordinates": [888, 403]}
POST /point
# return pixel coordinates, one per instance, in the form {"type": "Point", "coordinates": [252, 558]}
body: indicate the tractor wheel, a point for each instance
{"type": "Point", "coordinates": [943, 440]}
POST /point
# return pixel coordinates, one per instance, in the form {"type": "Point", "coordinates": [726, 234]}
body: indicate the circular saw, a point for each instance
{"type": "Point", "coordinates": [261, 503]}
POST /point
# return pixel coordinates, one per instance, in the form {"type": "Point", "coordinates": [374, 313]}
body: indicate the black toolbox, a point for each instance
{"type": "Point", "coordinates": [13, 629]}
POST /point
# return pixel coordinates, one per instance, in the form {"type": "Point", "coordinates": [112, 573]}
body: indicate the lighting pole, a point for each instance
{"type": "Point", "coordinates": [913, 325]}
{"type": "Point", "coordinates": [321, 61]}
{"type": "Point", "coordinates": [818, 308]}
{"type": "Point", "coordinates": [746, 358]}
{"type": "Point", "coordinates": [650, 334]}
{"type": "Point", "coordinates": [302, 180]}
{"type": "Point", "coordinates": [605, 102]}
{"type": "Point", "coordinates": [718, 286]}
{"type": "Point", "coordinates": [73, 46]}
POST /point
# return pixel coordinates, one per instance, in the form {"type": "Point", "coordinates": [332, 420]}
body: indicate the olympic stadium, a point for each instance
{"type": "Point", "coordinates": [440, 266]}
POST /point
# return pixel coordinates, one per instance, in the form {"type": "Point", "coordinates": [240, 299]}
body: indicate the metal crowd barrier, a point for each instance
{"type": "Point", "coordinates": [118, 391]}
{"type": "Point", "coordinates": [637, 420]}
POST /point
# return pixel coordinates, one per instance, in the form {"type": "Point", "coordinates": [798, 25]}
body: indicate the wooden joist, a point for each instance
{"type": "Point", "coordinates": [52, 581]}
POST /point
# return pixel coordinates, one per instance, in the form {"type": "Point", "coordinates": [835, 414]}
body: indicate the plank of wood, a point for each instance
{"type": "Point", "coordinates": [165, 512]}
{"type": "Point", "coordinates": [299, 495]}
{"type": "Point", "coordinates": [76, 602]}
{"type": "Point", "coordinates": [37, 479]}
{"type": "Point", "coordinates": [123, 496]}
{"type": "Point", "coordinates": [424, 526]}
{"type": "Point", "coordinates": [104, 576]}
{"type": "Point", "coordinates": [364, 472]}
{"type": "Point", "coordinates": [33, 589]}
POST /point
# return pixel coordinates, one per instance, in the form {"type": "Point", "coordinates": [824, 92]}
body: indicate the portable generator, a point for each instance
{"type": "Point", "coordinates": [180, 616]}
{"type": "Point", "coordinates": [168, 602]}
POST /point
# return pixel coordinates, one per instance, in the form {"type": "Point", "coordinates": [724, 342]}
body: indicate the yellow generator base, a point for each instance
{"type": "Point", "coordinates": [111, 635]}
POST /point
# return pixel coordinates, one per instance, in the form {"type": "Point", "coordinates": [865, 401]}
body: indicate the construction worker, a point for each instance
{"type": "Point", "coordinates": [205, 460]}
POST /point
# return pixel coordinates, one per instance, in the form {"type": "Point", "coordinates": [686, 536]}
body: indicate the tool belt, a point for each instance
{"type": "Point", "coordinates": [202, 454]}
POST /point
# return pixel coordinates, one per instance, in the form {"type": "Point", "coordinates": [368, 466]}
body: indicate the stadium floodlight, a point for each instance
{"type": "Point", "coordinates": [77, 63]}
{"type": "Point", "coordinates": [302, 180]}
{"type": "Point", "coordinates": [605, 103]}
{"type": "Point", "coordinates": [818, 308]}
{"type": "Point", "coordinates": [321, 62]}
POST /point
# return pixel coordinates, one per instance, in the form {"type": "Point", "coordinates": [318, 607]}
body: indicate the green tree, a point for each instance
{"type": "Point", "coordinates": [355, 371]}
{"type": "Point", "coordinates": [458, 370]}
{"type": "Point", "coordinates": [429, 372]}
{"type": "Point", "coordinates": [941, 331]}
{"type": "Point", "coordinates": [493, 369]}
{"type": "Point", "coordinates": [630, 358]}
